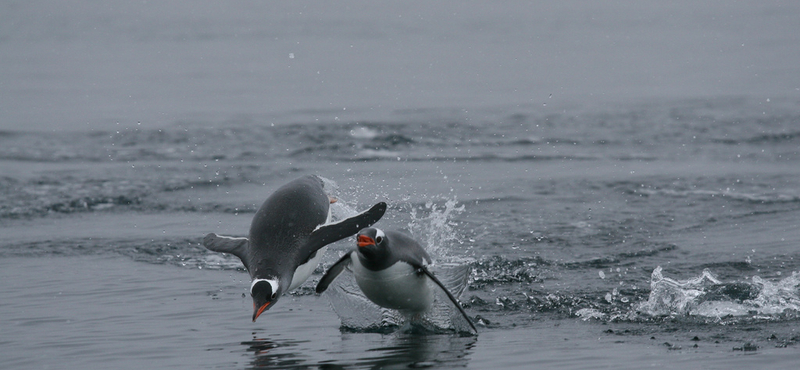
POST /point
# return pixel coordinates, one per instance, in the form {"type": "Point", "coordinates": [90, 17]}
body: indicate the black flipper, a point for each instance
{"type": "Point", "coordinates": [333, 272]}
{"type": "Point", "coordinates": [449, 295]}
{"type": "Point", "coordinates": [333, 232]}
{"type": "Point", "coordinates": [227, 244]}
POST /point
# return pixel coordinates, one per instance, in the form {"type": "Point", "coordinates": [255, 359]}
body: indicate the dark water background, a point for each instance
{"type": "Point", "coordinates": [621, 177]}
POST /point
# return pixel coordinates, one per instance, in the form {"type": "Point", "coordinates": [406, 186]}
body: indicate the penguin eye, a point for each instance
{"type": "Point", "coordinates": [379, 239]}
{"type": "Point", "coordinates": [274, 295]}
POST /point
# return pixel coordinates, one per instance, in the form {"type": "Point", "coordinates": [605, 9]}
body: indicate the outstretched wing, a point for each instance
{"type": "Point", "coordinates": [333, 272]}
{"type": "Point", "coordinates": [449, 295]}
{"type": "Point", "coordinates": [228, 244]}
{"type": "Point", "coordinates": [333, 232]}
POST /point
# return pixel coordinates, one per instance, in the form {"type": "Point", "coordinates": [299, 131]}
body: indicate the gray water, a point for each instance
{"type": "Point", "coordinates": [621, 178]}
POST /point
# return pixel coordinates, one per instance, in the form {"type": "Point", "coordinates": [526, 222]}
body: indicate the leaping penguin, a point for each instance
{"type": "Point", "coordinates": [390, 268]}
{"type": "Point", "coordinates": [288, 237]}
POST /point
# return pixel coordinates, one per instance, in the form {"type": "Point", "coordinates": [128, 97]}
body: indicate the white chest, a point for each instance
{"type": "Point", "coordinates": [398, 287]}
{"type": "Point", "coordinates": [304, 271]}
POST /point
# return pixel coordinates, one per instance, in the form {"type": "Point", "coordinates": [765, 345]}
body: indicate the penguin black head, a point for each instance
{"type": "Point", "coordinates": [373, 247]}
{"type": "Point", "coordinates": [265, 293]}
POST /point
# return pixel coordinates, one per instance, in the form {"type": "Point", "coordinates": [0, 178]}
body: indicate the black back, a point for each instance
{"type": "Point", "coordinates": [282, 226]}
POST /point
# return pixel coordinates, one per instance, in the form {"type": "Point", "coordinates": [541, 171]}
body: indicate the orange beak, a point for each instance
{"type": "Point", "coordinates": [260, 310]}
{"type": "Point", "coordinates": [364, 241]}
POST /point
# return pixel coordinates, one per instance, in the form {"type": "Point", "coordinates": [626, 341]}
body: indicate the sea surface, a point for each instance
{"type": "Point", "coordinates": [621, 179]}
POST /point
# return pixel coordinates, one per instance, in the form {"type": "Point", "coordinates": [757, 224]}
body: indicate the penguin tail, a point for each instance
{"type": "Point", "coordinates": [227, 244]}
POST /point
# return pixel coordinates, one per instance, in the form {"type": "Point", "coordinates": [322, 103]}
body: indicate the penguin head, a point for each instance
{"type": "Point", "coordinates": [265, 293]}
{"type": "Point", "coordinates": [372, 244]}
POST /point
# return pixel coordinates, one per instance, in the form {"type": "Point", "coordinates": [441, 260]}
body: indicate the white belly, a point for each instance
{"type": "Point", "coordinates": [398, 287]}
{"type": "Point", "coordinates": [305, 270]}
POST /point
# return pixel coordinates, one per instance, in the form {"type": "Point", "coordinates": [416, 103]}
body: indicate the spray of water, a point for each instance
{"type": "Point", "coordinates": [433, 227]}
{"type": "Point", "coordinates": [706, 296]}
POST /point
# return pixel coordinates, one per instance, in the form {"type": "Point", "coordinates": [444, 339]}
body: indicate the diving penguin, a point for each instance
{"type": "Point", "coordinates": [390, 268]}
{"type": "Point", "coordinates": [288, 237]}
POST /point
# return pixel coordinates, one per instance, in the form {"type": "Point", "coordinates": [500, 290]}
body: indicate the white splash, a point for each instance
{"type": "Point", "coordinates": [700, 297]}
{"type": "Point", "coordinates": [435, 230]}
{"type": "Point", "coordinates": [364, 133]}
{"type": "Point", "coordinates": [590, 313]}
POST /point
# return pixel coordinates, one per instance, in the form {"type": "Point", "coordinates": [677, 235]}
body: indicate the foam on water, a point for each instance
{"type": "Point", "coordinates": [706, 296]}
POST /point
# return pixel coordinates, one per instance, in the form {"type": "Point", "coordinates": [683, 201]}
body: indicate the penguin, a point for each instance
{"type": "Point", "coordinates": [390, 267]}
{"type": "Point", "coordinates": [288, 236]}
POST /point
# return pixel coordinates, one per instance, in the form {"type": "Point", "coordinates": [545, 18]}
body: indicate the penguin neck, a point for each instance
{"type": "Point", "coordinates": [375, 259]}
{"type": "Point", "coordinates": [273, 282]}
{"type": "Point", "coordinates": [273, 273]}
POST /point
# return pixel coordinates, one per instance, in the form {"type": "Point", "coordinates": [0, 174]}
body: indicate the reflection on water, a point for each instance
{"type": "Point", "coordinates": [411, 350]}
{"type": "Point", "coordinates": [400, 350]}
{"type": "Point", "coordinates": [269, 354]}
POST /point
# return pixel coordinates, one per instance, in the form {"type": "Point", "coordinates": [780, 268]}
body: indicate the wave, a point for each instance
{"type": "Point", "coordinates": [634, 133]}
{"type": "Point", "coordinates": [766, 138]}
{"type": "Point", "coordinates": [369, 155]}
{"type": "Point", "coordinates": [501, 286]}
{"type": "Point", "coordinates": [336, 141]}
{"type": "Point", "coordinates": [173, 251]}
{"type": "Point", "coordinates": [498, 285]}
{"type": "Point", "coordinates": [708, 297]}
{"type": "Point", "coordinates": [496, 270]}
{"type": "Point", "coordinates": [43, 196]}
{"type": "Point", "coordinates": [754, 197]}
